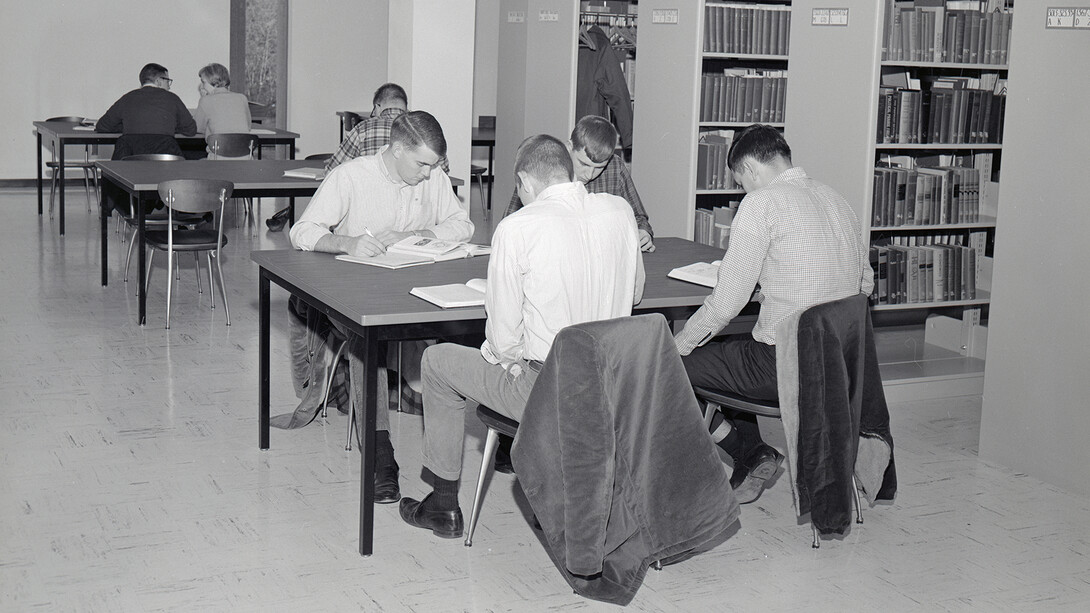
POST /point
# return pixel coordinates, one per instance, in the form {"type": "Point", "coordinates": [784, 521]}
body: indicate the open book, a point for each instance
{"type": "Point", "coordinates": [437, 249]}
{"type": "Point", "coordinates": [306, 173]}
{"type": "Point", "coordinates": [701, 273]}
{"type": "Point", "coordinates": [470, 293]}
{"type": "Point", "coordinates": [388, 260]}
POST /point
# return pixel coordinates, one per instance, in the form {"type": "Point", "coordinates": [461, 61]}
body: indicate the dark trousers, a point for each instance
{"type": "Point", "coordinates": [740, 365]}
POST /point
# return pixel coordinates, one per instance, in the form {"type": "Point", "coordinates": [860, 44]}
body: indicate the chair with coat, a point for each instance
{"type": "Point", "coordinates": [614, 458]}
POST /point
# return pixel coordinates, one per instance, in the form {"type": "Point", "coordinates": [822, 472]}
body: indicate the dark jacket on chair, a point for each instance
{"type": "Point", "coordinates": [840, 411]}
{"type": "Point", "coordinates": [614, 458]}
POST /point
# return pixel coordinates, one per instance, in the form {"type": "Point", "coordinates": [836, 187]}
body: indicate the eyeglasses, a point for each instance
{"type": "Point", "coordinates": [167, 79]}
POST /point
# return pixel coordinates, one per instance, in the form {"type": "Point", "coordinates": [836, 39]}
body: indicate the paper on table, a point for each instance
{"type": "Point", "coordinates": [701, 273]}
{"type": "Point", "coordinates": [470, 293]}
{"type": "Point", "coordinates": [261, 131]}
{"type": "Point", "coordinates": [388, 260]}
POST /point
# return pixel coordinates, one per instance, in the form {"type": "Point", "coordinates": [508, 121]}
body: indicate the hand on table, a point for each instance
{"type": "Point", "coordinates": [366, 245]}
{"type": "Point", "coordinates": [646, 242]}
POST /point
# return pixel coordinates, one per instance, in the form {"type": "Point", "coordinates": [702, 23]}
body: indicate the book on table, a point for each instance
{"type": "Point", "coordinates": [437, 249]}
{"type": "Point", "coordinates": [701, 273]}
{"type": "Point", "coordinates": [388, 260]}
{"type": "Point", "coordinates": [316, 174]}
{"type": "Point", "coordinates": [470, 293]}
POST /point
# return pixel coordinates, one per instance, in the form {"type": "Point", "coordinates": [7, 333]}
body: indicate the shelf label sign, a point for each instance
{"type": "Point", "coordinates": [1067, 18]}
{"type": "Point", "coordinates": [829, 17]}
{"type": "Point", "coordinates": [548, 15]}
{"type": "Point", "coordinates": [664, 16]}
{"type": "Point", "coordinates": [516, 16]}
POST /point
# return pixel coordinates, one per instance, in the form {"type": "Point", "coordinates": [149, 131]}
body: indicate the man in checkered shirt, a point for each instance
{"type": "Point", "coordinates": [592, 148]}
{"type": "Point", "coordinates": [800, 243]}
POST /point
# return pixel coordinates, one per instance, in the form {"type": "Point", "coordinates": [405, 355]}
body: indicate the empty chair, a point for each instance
{"type": "Point", "coordinates": [236, 146]}
{"type": "Point", "coordinates": [194, 196]}
{"type": "Point", "coordinates": [477, 172]}
{"type": "Point", "coordinates": [86, 165]}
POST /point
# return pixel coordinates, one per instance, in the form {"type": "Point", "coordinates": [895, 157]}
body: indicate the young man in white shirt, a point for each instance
{"type": "Point", "coordinates": [568, 257]}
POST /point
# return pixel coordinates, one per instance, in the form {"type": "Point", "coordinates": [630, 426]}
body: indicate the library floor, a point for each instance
{"type": "Point", "coordinates": [132, 481]}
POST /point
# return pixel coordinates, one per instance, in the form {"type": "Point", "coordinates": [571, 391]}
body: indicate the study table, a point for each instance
{"type": "Point", "coordinates": [252, 179]}
{"type": "Point", "coordinates": [58, 134]}
{"type": "Point", "coordinates": [375, 304]}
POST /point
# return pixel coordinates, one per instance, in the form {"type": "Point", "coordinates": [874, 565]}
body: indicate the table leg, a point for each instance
{"type": "Point", "coordinates": [142, 263]}
{"type": "Point", "coordinates": [103, 214]}
{"type": "Point", "coordinates": [491, 176]}
{"type": "Point", "coordinates": [60, 182]}
{"type": "Point", "coordinates": [367, 345]}
{"type": "Point", "coordinates": [263, 361]}
{"type": "Point", "coordinates": [39, 135]}
{"type": "Point", "coordinates": [291, 211]}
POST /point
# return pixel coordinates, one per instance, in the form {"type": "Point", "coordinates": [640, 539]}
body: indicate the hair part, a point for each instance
{"type": "Point", "coordinates": [390, 92]}
{"type": "Point", "coordinates": [761, 142]}
{"type": "Point", "coordinates": [216, 75]}
{"type": "Point", "coordinates": [417, 128]}
{"type": "Point", "coordinates": [596, 136]}
{"type": "Point", "coordinates": [151, 73]}
{"type": "Point", "coordinates": [544, 158]}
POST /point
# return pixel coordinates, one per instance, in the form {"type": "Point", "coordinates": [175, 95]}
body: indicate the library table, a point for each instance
{"type": "Point", "coordinates": [252, 179]}
{"type": "Point", "coordinates": [375, 304]}
{"type": "Point", "coordinates": [58, 134]}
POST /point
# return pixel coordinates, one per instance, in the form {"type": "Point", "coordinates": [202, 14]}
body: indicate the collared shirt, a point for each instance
{"type": "Point", "coordinates": [368, 137]}
{"type": "Point", "coordinates": [361, 195]}
{"type": "Point", "coordinates": [800, 241]}
{"type": "Point", "coordinates": [614, 179]}
{"type": "Point", "coordinates": [567, 258]}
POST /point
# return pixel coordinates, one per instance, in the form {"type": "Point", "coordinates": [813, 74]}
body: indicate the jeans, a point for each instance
{"type": "Point", "coordinates": [451, 374]}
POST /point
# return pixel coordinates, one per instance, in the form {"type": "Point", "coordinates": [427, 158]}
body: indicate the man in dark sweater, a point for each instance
{"type": "Point", "coordinates": [148, 117]}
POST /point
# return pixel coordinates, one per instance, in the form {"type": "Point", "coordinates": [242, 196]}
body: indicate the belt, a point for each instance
{"type": "Point", "coordinates": [535, 365]}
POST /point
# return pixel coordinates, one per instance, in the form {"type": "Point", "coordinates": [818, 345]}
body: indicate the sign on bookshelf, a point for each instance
{"type": "Point", "coordinates": [829, 17]}
{"type": "Point", "coordinates": [1068, 18]}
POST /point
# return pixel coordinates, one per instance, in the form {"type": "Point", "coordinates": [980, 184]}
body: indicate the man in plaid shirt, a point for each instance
{"type": "Point", "coordinates": [592, 146]}
{"type": "Point", "coordinates": [798, 241]}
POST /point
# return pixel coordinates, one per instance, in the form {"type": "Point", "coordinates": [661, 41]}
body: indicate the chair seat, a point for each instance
{"type": "Point", "coordinates": [72, 164]}
{"type": "Point", "coordinates": [475, 170]}
{"type": "Point", "coordinates": [184, 240]}
{"type": "Point", "coordinates": [766, 408]}
{"type": "Point", "coordinates": [499, 423]}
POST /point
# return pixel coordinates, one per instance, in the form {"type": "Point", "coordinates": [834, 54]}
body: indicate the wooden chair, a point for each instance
{"type": "Point", "coordinates": [86, 165]}
{"type": "Point", "coordinates": [236, 146]}
{"type": "Point", "coordinates": [195, 196]}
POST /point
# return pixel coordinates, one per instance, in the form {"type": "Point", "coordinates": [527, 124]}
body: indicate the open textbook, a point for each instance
{"type": "Point", "coordinates": [470, 293]}
{"type": "Point", "coordinates": [701, 273]}
{"type": "Point", "coordinates": [437, 249]}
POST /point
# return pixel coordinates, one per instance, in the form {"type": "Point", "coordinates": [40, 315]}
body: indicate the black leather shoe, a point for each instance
{"type": "Point", "coordinates": [276, 224]}
{"type": "Point", "coordinates": [387, 489]}
{"type": "Point", "coordinates": [750, 475]}
{"type": "Point", "coordinates": [444, 524]}
{"type": "Point", "coordinates": [503, 460]}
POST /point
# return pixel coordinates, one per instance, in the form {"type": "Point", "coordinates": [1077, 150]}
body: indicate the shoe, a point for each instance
{"type": "Point", "coordinates": [444, 524]}
{"type": "Point", "coordinates": [750, 475]}
{"type": "Point", "coordinates": [387, 489]}
{"type": "Point", "coordinates": [503, 458]}
{"type": "Point", "coordinates": [275, 223]}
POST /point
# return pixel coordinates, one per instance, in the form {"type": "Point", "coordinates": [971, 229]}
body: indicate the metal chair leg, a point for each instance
{"type": "Point", "coordinates": [197, 271]}
{"type": "Point", "coordinates": [817, 539]}
{"type": "Point", "coordinates": [858, 504]}
{"type": "Point", "coordinates": [491, 441]}
{"type": "Point", "coordinates": [147, 277]}
{"type": "Point", "coordinates": [351, 420]}
{"type": "Point", "coordinates": [170, 281]}
{"type": "Point", "coordinates": [223, 288]}
{"type": "Point", "coordinates": [211, 282]}
{"type": "Point", "coordinates": [329, 377]}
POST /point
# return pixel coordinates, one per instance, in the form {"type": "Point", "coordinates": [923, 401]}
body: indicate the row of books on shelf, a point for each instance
{"type": "Point", "coordinates": [940, 116]}
{"type": "Point", "coordinates": [928, 273]}
{"type": "Point", "coordinates": [712, 226]}
{"type": "Point", "coordinates": [743, 95]}
{"type": "Point", "coordinates": [759, 29]}
{"type": "Point", "coordinates": [939, 31]}
{"type": "Point", "coordinates": [628, 67]}
{"type": "Point", "coordinates": [712, 171]}
{"type": "Point", "coordinates": [926, 196]}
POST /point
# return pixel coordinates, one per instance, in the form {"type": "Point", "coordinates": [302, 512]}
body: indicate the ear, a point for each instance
{"type": "Point", "coordinates": [527, 182]}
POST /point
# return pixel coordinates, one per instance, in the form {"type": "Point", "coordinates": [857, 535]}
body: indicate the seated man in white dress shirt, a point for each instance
{"type": "Point", "coordinates": [567, 257]}
{"type": "Point", "coordinates": [371, 202]}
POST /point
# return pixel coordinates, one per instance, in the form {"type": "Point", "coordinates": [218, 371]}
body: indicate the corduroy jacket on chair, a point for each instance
{"type": "Point", "coordinates": [614, 458]}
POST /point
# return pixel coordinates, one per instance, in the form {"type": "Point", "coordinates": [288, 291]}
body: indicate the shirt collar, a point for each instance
{"type": "Point", "coordinates": [791, 174]}
{"type": "Point", "coordinates": [558, 189]}
{"type": "Point", "coordinates": [386, 171]}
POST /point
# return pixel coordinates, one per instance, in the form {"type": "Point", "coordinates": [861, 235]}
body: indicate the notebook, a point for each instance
{"type": "Point", "coordinates": [701, 273]}
{"type": "Point", "coordinates": [388, 260]}
{"type": "Point", "coordinates": [470, 293]}
{"type": "Point", "coordinates": [306, 173]}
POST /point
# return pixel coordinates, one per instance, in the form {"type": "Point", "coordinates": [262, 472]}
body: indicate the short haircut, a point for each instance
{"type": "Point", "coordinates": [596, 136]}
{"type": "Point", "coordinates": [151, 73]}
{"type": "Point", "coordinates": [388, 92]}
{"type": "Point", "coordinates": [216, 74]}
{"type": "Point", "coordinates": [761, 142]}
{"type": "Point", "coordinates": [544, 158]}
{"type": "Point", "coordinates": [417, 128]}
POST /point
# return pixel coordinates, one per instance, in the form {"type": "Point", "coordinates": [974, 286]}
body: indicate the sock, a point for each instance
{"type": "Point", "coordinates": [446, 495]}
{"type": "Point", "coordinates": [732, 443]}
{"type": "Point", "coordinates": [384, 449]}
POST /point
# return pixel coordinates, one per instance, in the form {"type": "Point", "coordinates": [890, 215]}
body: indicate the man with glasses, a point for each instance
{"type": "Point", "coordinates": [148, 117]}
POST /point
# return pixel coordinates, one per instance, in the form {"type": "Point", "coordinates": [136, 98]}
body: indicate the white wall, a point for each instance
{"type": "Point", "coordinates": [337, 56]}
{"type": "Point", "coordinates": [431, 56]}
{"type": "Point", "coordinates": [485, 57]}
{"type": "Point", "coordinates": [77, 58]}
{"type": "Point", "coordinates": [1035, 417]}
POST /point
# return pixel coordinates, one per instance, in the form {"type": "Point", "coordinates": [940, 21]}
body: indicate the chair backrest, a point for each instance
{"type": "Point", "coordinates": [195, 195]}
{"type": "Point", "coordinates": [153, 157]}
{"type": "Point", "coordinates": [231, 145]}
{"type": "Point", "coordinates": [136, 144]}
{"type": "Point", "coordinates": [350, 119]}
{"type": "Point", "coordinates": [319, 156]}
{"type": "Point", "coordinates": [71, 118]}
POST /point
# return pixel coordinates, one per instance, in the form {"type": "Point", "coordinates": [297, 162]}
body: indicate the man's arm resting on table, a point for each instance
{"type": "Point", "coordinates": [364, 245]}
